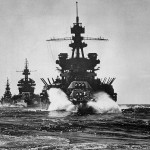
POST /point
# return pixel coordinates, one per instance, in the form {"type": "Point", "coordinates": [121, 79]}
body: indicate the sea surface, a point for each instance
{"type": "Point", "coordinates": [60, 129]}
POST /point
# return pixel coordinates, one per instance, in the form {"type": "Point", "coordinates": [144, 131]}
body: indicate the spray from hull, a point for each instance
{"type": "Point", "coordinates": [102, 104]}
{"type": "Point", "coordinates": [59, 100]}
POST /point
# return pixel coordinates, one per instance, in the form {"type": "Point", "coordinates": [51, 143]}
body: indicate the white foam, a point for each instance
{"type": "Point", "coordinates": [124, 107]}
{"type": "Point", "coordinates": [59, 100]}
{"type": "Point", "coordinates": [104, 104]}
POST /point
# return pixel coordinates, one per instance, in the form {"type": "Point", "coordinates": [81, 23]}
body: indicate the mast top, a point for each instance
{"type": "Point", "coordinates": [7, 85]}
{"type": "Point", "coordinates": [26, 63]}
{"type": "Point", "coordinates": [77, 17]}
{"type": "Point", "coordinates": [7, 81]}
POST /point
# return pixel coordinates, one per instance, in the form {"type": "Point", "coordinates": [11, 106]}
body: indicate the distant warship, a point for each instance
{"type": "Point", "coordinates": [77, 73]}
{"type": "Point", "coordinates": [26, 88]}
{"type": "Point", "coordinates": [6, 99]}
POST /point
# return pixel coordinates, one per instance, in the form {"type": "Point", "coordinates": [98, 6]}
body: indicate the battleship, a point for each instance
{"type": "Point", "coordinates": [78, 78]}
{"type": "Point", "coordinates": [6, 98]}
{"type": "Point", "coordinates": [26, 96]}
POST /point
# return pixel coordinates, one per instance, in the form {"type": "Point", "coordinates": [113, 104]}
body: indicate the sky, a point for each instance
{"type": "Point", "coordinates": [26, 25]}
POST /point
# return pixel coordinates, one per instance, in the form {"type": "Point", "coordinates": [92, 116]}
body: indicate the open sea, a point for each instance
{"type": "Point", "coordinates": [117, 127]}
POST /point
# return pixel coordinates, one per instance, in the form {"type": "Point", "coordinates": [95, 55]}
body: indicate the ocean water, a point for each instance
{"type": "Point", "coordinates": [110, 127]}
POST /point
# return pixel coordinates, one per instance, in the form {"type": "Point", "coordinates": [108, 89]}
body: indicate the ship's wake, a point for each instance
{"type": "Point", "coordinates": [102, 103]}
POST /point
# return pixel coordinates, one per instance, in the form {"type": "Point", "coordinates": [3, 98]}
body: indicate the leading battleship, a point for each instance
{"type": "Point", "coordinates": [78, 78]}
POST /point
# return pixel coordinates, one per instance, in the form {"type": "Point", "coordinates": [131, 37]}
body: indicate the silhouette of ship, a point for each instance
{"type": "Point", "coordinates": [26, 87]}
{"type": "Point", "coordinates": [77, 73]}
{"type": "Point", "coordinates": [6, 99]}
